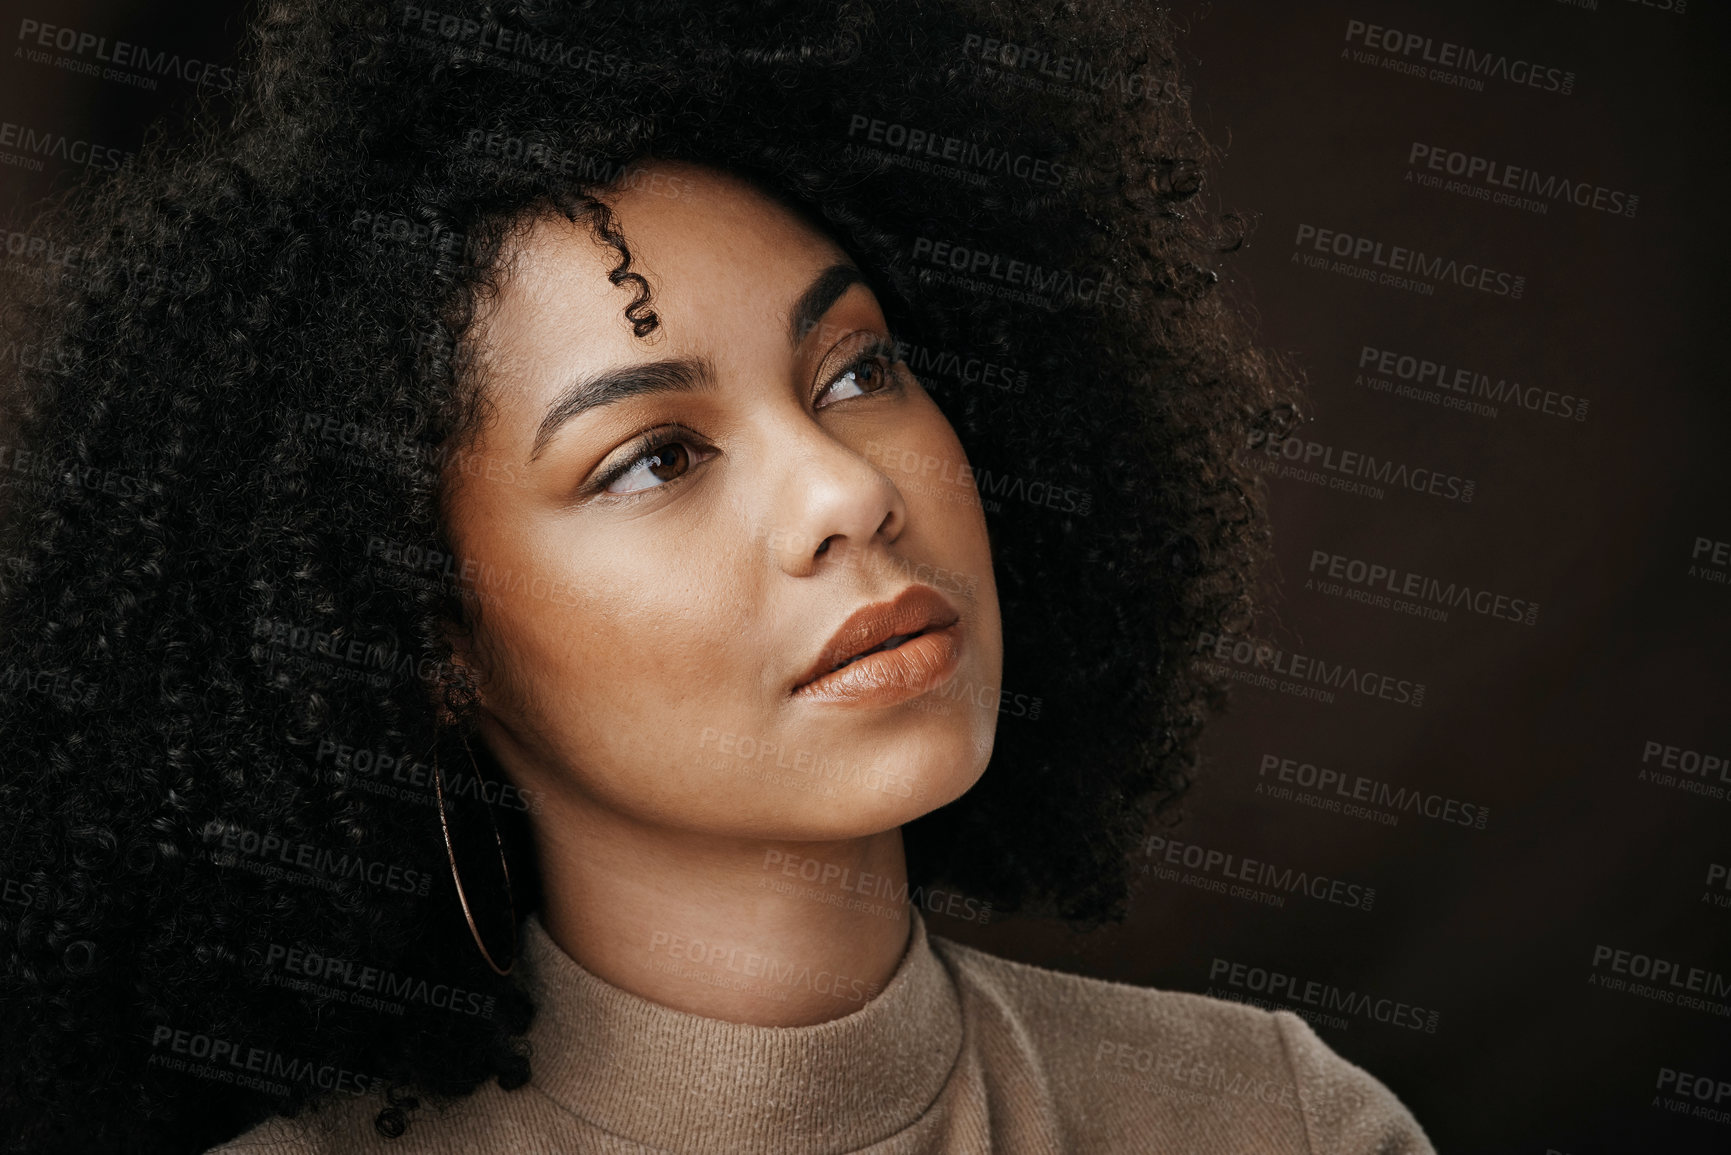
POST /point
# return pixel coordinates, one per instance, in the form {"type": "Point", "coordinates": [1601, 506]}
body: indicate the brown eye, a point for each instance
{"type": "Point", "coordinates": [661, 464]}
{"type": "Point", "coordinates": [871, 373]}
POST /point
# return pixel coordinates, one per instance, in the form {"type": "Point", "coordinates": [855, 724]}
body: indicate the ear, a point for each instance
{"type": "Point", "coordinates": [464, 674]}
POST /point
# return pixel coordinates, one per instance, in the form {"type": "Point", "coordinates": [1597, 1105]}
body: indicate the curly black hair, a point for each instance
{"type": "Point", "coordinates": [222, 586]}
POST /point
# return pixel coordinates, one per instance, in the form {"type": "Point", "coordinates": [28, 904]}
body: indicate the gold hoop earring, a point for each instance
{"type": "Point", "coordinates": [450, 853]}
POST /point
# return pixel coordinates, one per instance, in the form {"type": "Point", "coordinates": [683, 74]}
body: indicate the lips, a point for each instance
{"type": "Point", "coordinates": [916, 611]}
{"type": "Point", "coordinates": [891, 644]}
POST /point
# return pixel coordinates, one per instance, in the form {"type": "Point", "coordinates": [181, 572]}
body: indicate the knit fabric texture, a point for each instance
{"type": "Point", "coordinates": [961, 1051]}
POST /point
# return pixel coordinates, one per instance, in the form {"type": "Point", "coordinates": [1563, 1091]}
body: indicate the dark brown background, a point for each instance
{"type": "Point", "coordinates": [1545, 725]}
{"type": "Point", "coordinates": [1594, 520]}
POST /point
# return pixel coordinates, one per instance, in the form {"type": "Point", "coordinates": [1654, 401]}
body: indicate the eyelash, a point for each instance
{"type": "Point", "coordinates": [654, 441]}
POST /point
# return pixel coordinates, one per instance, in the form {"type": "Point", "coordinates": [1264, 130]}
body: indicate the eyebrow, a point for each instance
{"type": "Point", "coordinates": [823, 292]}
{"type": "Point", "coordinates": [684, 374]}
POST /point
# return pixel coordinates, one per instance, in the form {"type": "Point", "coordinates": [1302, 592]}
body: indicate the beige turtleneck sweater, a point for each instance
{"type": "Point", "coordinates": [960, 1052]}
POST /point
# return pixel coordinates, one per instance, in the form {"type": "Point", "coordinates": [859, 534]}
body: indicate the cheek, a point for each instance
{"type": "Point", "coordinates": [947, 529]}
{"type": "Point", "coordinates": [928, 464]}
{"type": "Point", "coordinates": [630, 621]}
{"type": "Point", "coordinates": [631, 643]}
{"type": "Point", "coordinates": [919, 452]}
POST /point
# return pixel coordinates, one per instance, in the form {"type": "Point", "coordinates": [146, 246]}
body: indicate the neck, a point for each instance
{"type": "Point", "coordinates": [775, 934]}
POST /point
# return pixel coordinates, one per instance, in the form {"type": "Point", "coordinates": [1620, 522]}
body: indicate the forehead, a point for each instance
{"type": "Point", "coordinates": [709, 244]}
{"type": "Point", "coordinates": [724, 263]}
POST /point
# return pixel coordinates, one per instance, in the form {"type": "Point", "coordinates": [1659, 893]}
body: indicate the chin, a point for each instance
{"type": "Point", "coordinates": [945, 766]}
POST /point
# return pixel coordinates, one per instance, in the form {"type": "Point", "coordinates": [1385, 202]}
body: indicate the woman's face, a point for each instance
{"type": "Point", "coordinates": [665, 534]}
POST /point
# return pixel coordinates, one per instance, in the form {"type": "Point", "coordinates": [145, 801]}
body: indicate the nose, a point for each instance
{"type": "Point", "coordinates": [831, 505]}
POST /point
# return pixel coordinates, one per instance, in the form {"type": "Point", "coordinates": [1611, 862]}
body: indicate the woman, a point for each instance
{"type": "Point", "coordinates": [505, 572]}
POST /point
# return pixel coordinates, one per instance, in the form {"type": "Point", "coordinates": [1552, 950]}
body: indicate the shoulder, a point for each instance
{"type": "Point", "coordinates": [1348, 1108]}
{"type": "Point", "coordinates": [1128, 1060]}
